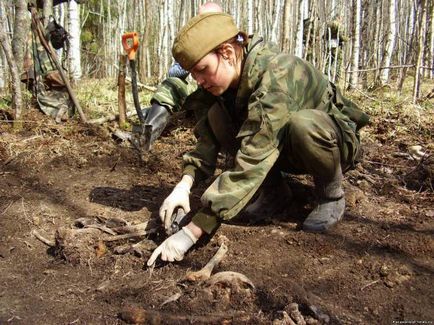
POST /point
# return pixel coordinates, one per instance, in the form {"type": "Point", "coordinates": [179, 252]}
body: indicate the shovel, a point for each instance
{"type": "Point", "coordinates": [141, 134]}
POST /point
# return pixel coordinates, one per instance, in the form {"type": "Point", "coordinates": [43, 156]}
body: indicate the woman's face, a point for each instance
{"type": "Point", "coordinates": [214, 73]}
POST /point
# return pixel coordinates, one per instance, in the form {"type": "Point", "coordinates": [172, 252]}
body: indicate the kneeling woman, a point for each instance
{"type": "Point", "coordinates": [273, 112]}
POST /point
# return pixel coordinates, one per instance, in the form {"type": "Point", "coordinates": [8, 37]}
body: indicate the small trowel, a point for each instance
{"type": "Point", "coordinates": [177, 217]}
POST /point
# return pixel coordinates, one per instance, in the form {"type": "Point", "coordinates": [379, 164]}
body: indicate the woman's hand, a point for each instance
{"type": "Point", "coordinates": [178, 198]}
{"type": "Point", "coordinates": [174, 247]}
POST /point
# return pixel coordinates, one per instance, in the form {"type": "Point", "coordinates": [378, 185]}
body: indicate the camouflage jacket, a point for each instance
{"type": "Point", "coordinates": [273, 85]}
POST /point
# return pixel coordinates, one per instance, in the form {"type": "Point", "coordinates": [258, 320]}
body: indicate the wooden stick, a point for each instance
{"type": "Point", "coordinates": [121, 91]}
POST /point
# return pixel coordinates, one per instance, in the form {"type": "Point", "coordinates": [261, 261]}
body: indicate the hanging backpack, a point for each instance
{"type": "Point", "coordinates": [57, 35]}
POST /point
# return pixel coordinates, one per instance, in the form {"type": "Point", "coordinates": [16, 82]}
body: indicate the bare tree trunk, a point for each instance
{"type": "Point", "coordinates": [432, 42]}
{"type": "Point", "coordinates": [322, 51]}
{"type": "Point", "coordinates": [309, 32]}
{"type": "Point", "coordinates": [59, 14]}
{"type": "Point", "coordinates": [421, 50]}
{"type": "Point", "coordinates": [74, 41]}
{"type": "Point", "coordinates": [286, 26]}
{"type": "Point", "coordinates": [300, 30]}
{"type": "Point", "coordinates": [391, 37]}
{"type": "Point", "coordinates": [354, 80]}
{"type": "Point", "coordinates": [3, 71]}
{"type": "Point", "coordinates": [316, 45]}
{"type": "Point", "coordinates": [409, 37]}
{"type": "Point", "coordinates": [276, 21]}
{"type": "Point", "coordinates": [250, 17]}
{"type": "Point", "coordinates": [17, 101]}
{"type": "Point", "coordinates": [47, 11]}
{"type": "Point", "coordinates": [378, 41]}
{"type": "Point", "coordinates": [21, 28]}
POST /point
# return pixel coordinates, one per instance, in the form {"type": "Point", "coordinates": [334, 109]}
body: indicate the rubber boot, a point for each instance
{"type": "Point", "coordinates": [158, 116]}
{"type": "Point", "coordinates": [272, 199]}
{"type": "Point", "coordinates": [331, 204]}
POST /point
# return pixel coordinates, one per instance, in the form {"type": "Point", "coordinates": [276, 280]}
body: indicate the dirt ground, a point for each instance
{"type": "Point", "coordinates": [375, 267]}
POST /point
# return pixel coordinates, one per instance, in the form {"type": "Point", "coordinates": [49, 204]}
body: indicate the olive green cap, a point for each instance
{"type": "Point", "coordinates": [201, 35]}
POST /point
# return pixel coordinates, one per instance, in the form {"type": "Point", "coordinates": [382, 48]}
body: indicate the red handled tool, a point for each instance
{"type": "Point", "coordinates": [141, 133]}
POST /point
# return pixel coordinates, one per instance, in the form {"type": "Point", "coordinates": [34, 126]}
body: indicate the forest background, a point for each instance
{"type": "Point", "coordinates": [358, 44]}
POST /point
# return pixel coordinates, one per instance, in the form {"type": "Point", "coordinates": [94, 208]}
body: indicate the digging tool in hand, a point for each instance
{"type": "Point", "coordinates": [141, 135]}
{"type": "Point", "coordinates": [177, 218]}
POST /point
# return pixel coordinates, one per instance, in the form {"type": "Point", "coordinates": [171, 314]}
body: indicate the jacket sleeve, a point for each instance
{"type": "Point", "coordinates": [261, 136]}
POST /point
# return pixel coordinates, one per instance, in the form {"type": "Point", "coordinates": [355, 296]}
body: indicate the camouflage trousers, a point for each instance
{"type": "Point", "coordinates": [54, 102]}
{"type": "Point", "coordinates": [312, 144]}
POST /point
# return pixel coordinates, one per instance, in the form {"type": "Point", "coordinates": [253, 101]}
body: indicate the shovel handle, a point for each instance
{"type": "Point", "coordinates": [130, 42]}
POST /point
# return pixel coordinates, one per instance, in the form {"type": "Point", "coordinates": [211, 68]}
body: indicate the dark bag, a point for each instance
{"type": "Point", "coordinates": [57, 35]}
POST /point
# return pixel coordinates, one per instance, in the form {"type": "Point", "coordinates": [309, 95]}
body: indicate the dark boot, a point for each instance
{"type": "Point", "coordinates": [157, 116]}
{"type": "Point", "coordinates": [272, 199]}
{"type": "Point", "coordinates": [331, 204]}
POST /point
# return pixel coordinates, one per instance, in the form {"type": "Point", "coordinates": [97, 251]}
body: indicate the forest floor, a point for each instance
{"type": "Point", "coordinates": [375, 267]}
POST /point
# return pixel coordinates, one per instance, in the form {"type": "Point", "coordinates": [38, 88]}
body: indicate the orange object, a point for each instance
{"type": "Point", "coordinates": [130, 42]}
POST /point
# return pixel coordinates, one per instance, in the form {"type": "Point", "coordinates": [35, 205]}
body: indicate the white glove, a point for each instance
{"type": "Point", "coordinates": [174, 247]}
{"type": "Point", "coordinates": [178, 198]}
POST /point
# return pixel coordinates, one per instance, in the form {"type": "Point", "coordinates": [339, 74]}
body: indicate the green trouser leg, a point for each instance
{"type": "Point", "coordinates": [314, 146]}
{"type": "Point", "coordinates": [274, 192]}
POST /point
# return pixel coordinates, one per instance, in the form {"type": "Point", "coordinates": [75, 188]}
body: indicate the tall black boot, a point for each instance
{"type": "Point", "coordinates": [157, 116]}
{"type": "Point", "coordinates": [331, 203]}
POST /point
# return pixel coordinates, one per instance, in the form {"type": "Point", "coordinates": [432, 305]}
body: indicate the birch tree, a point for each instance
{"type": "Point", "coordinates": [17, 101]}
{"type": "Point", "coordinates": [276, 21]}
{"type": "Point", "coordinates": [286, 28]}
{"type": "Point", "coordinates": [354, 77]}
{"type": "Point", "coordinates": [250, 17]}
{"type": "Point", "coordinates": [391, 37]}
{"type": "Point", "coordinates": [47, 11]}
{"type": "Point", "coordinates": [432, 42]}
{"type": "Point", "coordinates": [3, 74]}
{"type": "Point", "coordinates": [21, 27]}
{"type": "Point", "coordinates": [421, 50]}
{"type": "Point", "coordinates": [300, 29]}
{"type": "Point", "coordinates": [74, 41]}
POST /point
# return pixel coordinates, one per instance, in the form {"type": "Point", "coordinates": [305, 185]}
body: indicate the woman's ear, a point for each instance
{"type": "Point", "coordinates": [227, 51]}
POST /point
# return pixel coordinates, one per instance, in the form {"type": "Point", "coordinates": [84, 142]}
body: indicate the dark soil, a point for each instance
{"type": "Point", "coordinates": [375, 267]}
